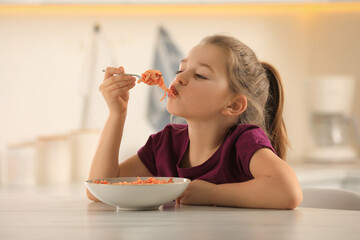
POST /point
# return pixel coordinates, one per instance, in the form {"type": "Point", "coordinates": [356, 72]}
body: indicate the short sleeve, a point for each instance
{"type": "Point", "coordinates": [247, 144]}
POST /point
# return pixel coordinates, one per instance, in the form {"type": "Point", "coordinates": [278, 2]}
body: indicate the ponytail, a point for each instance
{"type": "Point", "coordinates": [274, 122]}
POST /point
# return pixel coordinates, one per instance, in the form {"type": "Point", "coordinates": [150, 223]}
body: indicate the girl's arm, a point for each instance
{"type": "Point", "coordinates": [105, 162]}
{"type": "Point", "coordinates": [275, 185]}
{"type": "Point", "coordinates": [115, 89]}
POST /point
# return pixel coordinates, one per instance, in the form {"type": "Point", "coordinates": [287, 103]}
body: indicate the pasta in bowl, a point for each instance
{"type": "Point", "coordinates": [135, 193]}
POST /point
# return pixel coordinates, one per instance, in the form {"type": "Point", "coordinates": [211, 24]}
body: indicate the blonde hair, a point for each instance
{"type": "Point", "coordinates": [260, 82]}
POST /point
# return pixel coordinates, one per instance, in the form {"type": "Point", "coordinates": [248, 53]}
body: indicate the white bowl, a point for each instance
{"type": "Point", "coordinates": [137, 197]}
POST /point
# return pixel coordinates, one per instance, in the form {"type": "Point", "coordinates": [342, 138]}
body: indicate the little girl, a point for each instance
{"type": "Point", "coordinates": [233, 146]}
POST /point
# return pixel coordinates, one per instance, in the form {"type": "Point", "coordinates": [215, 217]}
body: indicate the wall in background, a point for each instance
{"type": "Point", "coordinates": [43, 55]}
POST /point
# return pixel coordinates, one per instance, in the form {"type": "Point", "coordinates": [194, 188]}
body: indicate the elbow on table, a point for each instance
{"type": "Point", "coordinates": [293, 198]}
{"type": "Point", "coordinates": [91, 197]}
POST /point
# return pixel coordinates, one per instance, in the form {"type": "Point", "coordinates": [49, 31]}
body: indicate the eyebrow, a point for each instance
{"type": "Point", "coordinates": [184, 60]}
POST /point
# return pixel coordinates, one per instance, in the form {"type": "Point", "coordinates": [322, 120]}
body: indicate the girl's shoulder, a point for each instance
{"type": "Point", "coordinates": [246, 128]}
{"type": "Point", "coordinates": [248, 134]}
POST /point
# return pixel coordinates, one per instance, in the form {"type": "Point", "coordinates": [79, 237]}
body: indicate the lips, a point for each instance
{"type": "Point", "coordinates": [174, 91]}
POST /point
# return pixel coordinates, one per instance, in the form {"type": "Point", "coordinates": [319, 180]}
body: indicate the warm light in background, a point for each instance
{"type": "Point", "coordinates": [176, 9]}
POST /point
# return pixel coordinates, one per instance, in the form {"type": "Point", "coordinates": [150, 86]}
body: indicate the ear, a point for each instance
{"type": "Point", "coordinates": [237, 105]}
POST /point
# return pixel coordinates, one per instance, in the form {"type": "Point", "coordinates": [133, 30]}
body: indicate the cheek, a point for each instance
{"type": "Point", "coordinates": [206, 101]}
{"type": "Point", "coordinates": [198, 100]}
{"type": "Point", "coordinates": [209, 96]}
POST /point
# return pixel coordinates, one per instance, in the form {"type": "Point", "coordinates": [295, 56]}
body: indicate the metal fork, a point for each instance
{"type": "Point", "coordinates": [128, 74]}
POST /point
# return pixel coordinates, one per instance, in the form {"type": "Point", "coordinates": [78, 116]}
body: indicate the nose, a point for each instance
{"type": "Point", "coordinates": [181, 79]}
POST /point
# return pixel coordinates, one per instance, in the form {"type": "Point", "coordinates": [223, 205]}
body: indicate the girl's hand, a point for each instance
{"type": "Point", "coordinates": [198, 192]}
{"type": "Point", "coordinates": [115, 89]}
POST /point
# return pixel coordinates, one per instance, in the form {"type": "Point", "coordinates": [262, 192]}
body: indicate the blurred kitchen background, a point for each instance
{"type": "Point", "coordinates": [52, 54]}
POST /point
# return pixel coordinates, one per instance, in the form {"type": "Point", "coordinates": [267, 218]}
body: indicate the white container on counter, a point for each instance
{"type": "Point", "coordinates": [50, 160]}
{"type": "Point", "coordinates": [83, 147]}
{"type": "Point", "coordinates": [21, 165]}
{"type": "Point", "coordinates": [54, 158]}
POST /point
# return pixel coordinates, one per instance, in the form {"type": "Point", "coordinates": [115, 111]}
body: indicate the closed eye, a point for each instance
{"type": "Point", "coordinates": [200, 76]}
{"type": "Point", "coordinates": [196, 75]}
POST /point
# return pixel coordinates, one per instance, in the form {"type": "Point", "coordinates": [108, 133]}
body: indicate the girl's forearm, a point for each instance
{"type": "Point", "coordinates": [262, 192]}
{"type": "Point", "coordinates": [105, 162]}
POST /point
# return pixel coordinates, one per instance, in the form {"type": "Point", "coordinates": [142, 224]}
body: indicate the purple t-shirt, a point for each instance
{"type": "Point", "coordinates": [164, 150]}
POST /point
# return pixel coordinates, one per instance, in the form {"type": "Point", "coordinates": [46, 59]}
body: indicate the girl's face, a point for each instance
{"type": "Point", "coordinates": [201, 86]}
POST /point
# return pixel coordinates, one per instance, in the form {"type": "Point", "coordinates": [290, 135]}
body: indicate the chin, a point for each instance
{"type": "Point", "coordinates": [170, 108]}
{"type": "Point", "coordinates": [175, 113]}
{"type": "Point", "coordinates": [176, 109]}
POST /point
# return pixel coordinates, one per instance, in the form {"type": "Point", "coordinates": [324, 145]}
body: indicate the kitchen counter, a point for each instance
{"type": "Point", "coordinates": [65, 213]}
{"type": "Point", "coordinates": [328, 175]}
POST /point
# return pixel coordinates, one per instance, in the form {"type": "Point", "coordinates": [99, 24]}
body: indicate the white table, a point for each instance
{"type": "Point", "coordinates": [49, 214]}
